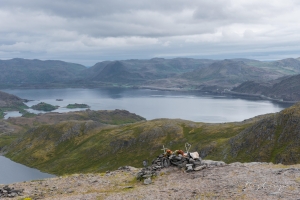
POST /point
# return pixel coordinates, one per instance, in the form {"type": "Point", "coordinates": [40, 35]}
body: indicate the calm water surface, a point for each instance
{"type": "Point", "coordinates": [12, 114]}
{"type": "Point", "coordinates": [153, 104]}
{"type": "Point", "coordinates": [150, 104]}
{"type": "Point", "coordinates": [11, 172]}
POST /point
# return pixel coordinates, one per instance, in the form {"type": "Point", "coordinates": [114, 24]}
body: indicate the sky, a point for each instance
{"type": "Point", "coordinates": [91, 31]}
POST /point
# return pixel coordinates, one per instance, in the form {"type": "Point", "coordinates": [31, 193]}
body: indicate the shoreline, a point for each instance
{"type": "Point", "coordinates": [225, 92]}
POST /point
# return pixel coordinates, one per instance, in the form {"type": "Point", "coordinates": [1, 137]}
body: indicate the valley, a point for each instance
{"type": "Point", "coordinates": [184, 74]}
{"type": "Point", "coordinates": [83, 141]}
{"type": "Point", "coordinates": [95, 141]}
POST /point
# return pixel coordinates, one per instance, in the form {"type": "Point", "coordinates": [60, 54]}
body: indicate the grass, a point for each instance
{"type": "Point", "coordinates": [111, 148]}
{"type": "Point", "coordinates": [7, 139]}
{"type": "Point", "coordinates": [71, 147]}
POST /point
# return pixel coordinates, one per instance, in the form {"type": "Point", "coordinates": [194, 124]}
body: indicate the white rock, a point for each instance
{"type": "Point", "coordinates": [199, 168]}
{"type": "Point", "coordinates": [147, 181]}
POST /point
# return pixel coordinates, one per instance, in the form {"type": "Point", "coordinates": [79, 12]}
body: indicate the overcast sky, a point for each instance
{"type": "Point", "coordinates": [88, 31]}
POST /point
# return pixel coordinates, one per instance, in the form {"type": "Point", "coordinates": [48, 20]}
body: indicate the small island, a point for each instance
{"type": "Point", "coordinates": [44, 107]}
{"type": "Point", "coordinates": [77, 105]}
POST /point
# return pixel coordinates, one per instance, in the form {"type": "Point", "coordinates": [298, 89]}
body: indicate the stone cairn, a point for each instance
{"type": "Point", "coordinates": [10, 192]}
{"type": "Point", "coordinates": [187, 161]}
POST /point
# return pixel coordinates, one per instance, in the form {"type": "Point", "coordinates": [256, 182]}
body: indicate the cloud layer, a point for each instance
{"type": "Point", "coordinates": [91, 31]}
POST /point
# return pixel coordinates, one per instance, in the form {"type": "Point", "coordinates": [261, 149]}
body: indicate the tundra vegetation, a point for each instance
{"type": "Point", "coordinates": [96, 141]}
{"type": "Point", "coordinates": [77, 105]}
{"type": "Point", "coordinates": [44, 107]}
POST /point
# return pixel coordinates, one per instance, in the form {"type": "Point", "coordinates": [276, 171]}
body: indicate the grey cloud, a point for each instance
{"type": "Point", "coordinates": [93, 29]}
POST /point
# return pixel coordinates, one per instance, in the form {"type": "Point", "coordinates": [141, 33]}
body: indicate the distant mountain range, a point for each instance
{"type": "Point", "coordinates": [256, 77]}
{"type": "Point", "coordinates": [23, 72]}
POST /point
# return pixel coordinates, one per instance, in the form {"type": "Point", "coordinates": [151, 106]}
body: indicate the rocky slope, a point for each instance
{"type": "Point", "coordinates": [229, 73]}
{"type": "Point", "coordinates": [275, 138]}
{"type": "Point", "coordinates": [9, 102]}
{"type": "Point", "coordinates": [286, 89]}
{"type": "Point", "coordinates": [233, 181]}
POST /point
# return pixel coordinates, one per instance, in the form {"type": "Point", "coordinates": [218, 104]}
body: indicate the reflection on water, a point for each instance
{"type": "Point", "coordinates": [12, 114]}
{"type": "Point", "coordinates": [150, 104]}
{"type": "Point", "coordinates": [11, 172]}
{"type": "Point", "coordinates": [153, 104]}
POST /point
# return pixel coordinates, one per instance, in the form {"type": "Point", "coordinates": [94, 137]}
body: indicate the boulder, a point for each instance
{"type": "Point", "coordinates": [199, 168]}
{"type": "Point", "coordinates": [147, 181]}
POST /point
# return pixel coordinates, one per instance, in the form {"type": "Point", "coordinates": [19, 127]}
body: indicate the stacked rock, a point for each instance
{"type": "Point", "coordinates": [10, 192]}
{"type": "Point", "coordinates": [147, 172]}
{"type": "Point", "coordinates": [188, 161]}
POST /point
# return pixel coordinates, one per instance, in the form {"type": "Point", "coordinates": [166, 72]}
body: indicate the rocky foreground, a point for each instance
{"type": "Point", "coordinates": [233, 181]}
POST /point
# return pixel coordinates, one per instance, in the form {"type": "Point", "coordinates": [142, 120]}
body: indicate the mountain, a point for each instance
{"type": "Point", "coordinates": [251, 87]}
{"type": "Point", "coordinates": [79, 146]}
{"type": "Point", "coordinates": [139, 71]}
{"type": "Point", "coordinates": [117, 72]}
{"type": "Point", "coordinates": [159, 73]}
{"type": "Point", "coordinates": [229, 72]}
{"type": "Point", "coordinates": [177, 73]}
{"type": "Point", "coordinates": [23, 71]}
{"type": "Point", "coordinates": [84, 121]}
{"type": "Point", "coordinates": [75, 145]}
{"type": "Point", "coordinates": [286, 88]}
{"type": "Point", "coordinates": [9, 102]}
{"type": "Point", "coordinates": [273, 139]}
{"type": "Point", "coordinates": [288, 66]}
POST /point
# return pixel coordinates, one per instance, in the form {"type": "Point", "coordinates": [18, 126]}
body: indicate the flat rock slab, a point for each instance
{"type": "Point", "coordinates": [232, 181]}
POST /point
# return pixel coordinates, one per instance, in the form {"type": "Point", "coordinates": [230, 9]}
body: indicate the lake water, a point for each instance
{"type": "Point", "coordinates": [150, 104]}
{"type": "Point", "coordinates": [11, 172]}
{"type": "Point", "coordinates": [153, 104]}
{"type": "Point", "coordinates": [12, 114]}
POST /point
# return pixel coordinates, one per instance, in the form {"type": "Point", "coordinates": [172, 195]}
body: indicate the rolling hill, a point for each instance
{"type": "Point", "coordinates": [229, 73]}
{"type": "Point", "coordinates": [36, 72]}
{"type": "Point", "coordinates": [73, 146]}
{"type": "Point", "coordinates": [139, 71]}
{"type": "Point", "coordinates": [286, 89]}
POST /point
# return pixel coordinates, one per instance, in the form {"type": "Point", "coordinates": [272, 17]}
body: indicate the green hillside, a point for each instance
{"type": "Point", "coordinates": [273, 139]}
{"type": "Point", "coordinates": [80, 142]}
{"type": "Point", "coordinates": [72, 146]}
